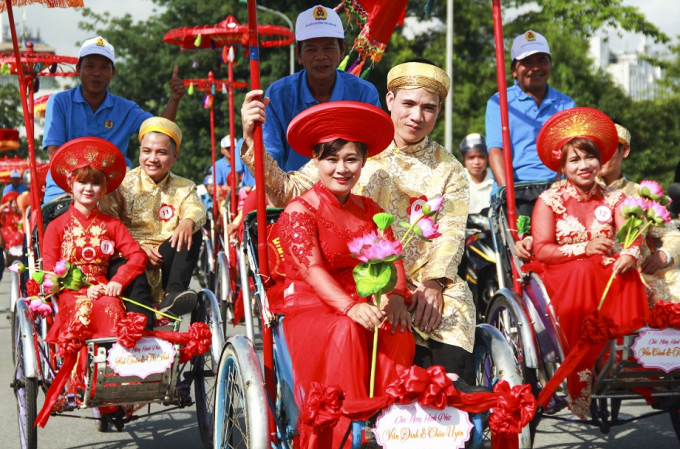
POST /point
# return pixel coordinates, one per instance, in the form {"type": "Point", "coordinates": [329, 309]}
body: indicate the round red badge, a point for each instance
{"type": "Point", "coordinates": [166, 212]}
{"type": "Point", "coordinates": [603, 214]}
{"type": "Point", "coordinates": [89, 253]}
{"type": "Point", "coordinates": [107, 247]}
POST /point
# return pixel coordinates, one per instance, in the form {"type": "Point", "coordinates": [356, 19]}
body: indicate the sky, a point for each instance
{"type": "Point", "coordinates": [50, 21]}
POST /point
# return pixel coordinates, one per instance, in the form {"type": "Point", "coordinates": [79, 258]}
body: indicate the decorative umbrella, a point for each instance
{"type": "Point", "coordinates": [210, 86]}
{"type": "Point", "coordinates": [224, 37]}
{"type": "Point", "coordinates": [9, 139]}
{"type": "Point", "coordinates": [34, 65]}
{"type": "Point", "coordinates": [15, 163]}
{"type": "Point", "coordinates": [40, 105]}
{"type": "Point", "coordinates": [377, 19]}
{"type": "Point", "coordinates": [7, 5]}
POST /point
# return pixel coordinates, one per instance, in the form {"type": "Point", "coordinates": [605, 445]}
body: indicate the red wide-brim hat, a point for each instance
{"type": "Point", "coordinates": [9, 196]}
{"type": "Point", "coordinates": [348, 120]}
{"type": "Point", "coordinates": [588, 123]}
{"type": "Point", "coordinates": [84, 151]}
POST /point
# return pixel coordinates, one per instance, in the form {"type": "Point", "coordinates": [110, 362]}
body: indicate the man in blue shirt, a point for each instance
{"type": "Point", "coordinates": [320, 47]}
{"type": "Point", "coordinates": [531, 102]}
{"type": "Point", "coordinates": [90, 110]}
{"type": "Point", "coordinates": [15, 183]}
{"type": "Point", "coordinates": [223, 166]}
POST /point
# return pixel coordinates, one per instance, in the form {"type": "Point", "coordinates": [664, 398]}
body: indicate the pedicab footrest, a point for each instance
{"type": "Point", "coordinates": [104, 387]}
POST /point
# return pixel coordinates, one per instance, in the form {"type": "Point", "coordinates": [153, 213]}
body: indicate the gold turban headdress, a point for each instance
{"type": "Point", "coordinates": [415, 75]}
{"type": "Point", "coordinates": [624, 134]}
{"type": "Point", "coordinates": [163, 126]}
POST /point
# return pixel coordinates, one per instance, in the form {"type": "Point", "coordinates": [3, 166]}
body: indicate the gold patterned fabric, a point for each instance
{"type": "Point", "coordinates": [664, 284]}
{"type": "Point", "coordinates": [416, 75]}
{"type": "Point", "coordinates": [391, 179]}
{"type": "Point", "coordinates": [163, 126]}
{"type": "Point", "coordinates": [151, 212]}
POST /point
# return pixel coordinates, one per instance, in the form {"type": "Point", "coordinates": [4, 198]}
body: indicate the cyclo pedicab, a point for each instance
{"type": "Point", "coordinates": [521, 309]}
{"type": "Point", "coordinates": [255, 407]}
{"type": "Point", "coordinates": [165, 362]}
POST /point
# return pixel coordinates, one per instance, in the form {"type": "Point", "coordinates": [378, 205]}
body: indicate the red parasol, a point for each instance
{"type": "Point", "coordinates": [224, 37]}
{"type": "Point", "coordinates": [9, 139]}
{"type": "Point", "coordinates": [227, 33]}
{"type": "Point", "coordinates": [15, 163]}
{"type": "Point", "coordinates": [377, 19]}
{"type": "Point", "coordinates": [40, 105]}
{"type": "Point", "coordinates": [28, 117]}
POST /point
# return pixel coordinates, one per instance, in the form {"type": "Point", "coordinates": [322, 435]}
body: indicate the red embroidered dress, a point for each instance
{"type": "Point", "coordinates": [325, 345]}
{"type": "Point", "coordinates": [563, 223]}
{"type": "Point", "coordinates": [90, 242]}
{"type": "Point", "coordinates": [9, 226]}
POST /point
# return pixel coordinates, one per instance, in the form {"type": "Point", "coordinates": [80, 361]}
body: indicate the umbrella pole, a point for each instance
{"type": "Point", "coordinates": [232, 130]}
{"type": "Point", "coordinates": [31, 107]}
{"type": "Point", "coordinates": [267, 341]}
{"type": "Point", "coordinates": [35, 197]}
{"type": "Point", "coordinates": [214, 174]}
{"type": "Point", "coordinates": [505, 128]}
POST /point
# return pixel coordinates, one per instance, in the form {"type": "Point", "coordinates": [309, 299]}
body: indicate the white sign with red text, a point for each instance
{"type": "Point", "coordinates": [412, 426]}
{"type": "Point", "coordinates": [656, 348]}
{"type": "Point", "coordinates": [149, 356]}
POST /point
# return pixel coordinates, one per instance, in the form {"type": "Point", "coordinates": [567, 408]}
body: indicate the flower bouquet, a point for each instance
{"type": "Point", "coordinates": [376, 274]}
{"type": "Point", "coordinates": [65, 276]}
{"type": "Point", "coordinates": [649, 209]}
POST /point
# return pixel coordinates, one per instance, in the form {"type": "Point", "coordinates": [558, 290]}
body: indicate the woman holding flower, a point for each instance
{"type": "Point", "coordinates": [86, 238]}
{"type": "Point", "coordinates": [328, 326]}
{"type": "Point", "coordinates": [574, 229]}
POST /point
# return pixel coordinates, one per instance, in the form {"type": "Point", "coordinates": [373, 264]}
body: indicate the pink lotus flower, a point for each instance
{"type": "Point", "coordinates": [651, 189]}
{"type": "Point", "coordinates": [422, 205]}
{"type": "Point", "coordinates": [429, 229]}
{"type": "Point", "coordinates": [658, 213]}
{"type": "Point", "coordinates": [60, 268]}
{"type": "Point", "coordinates": [372, 247]}
{"type": "Point", "coordinates": [633, 207]}
{"type": "Point", "coordinates": [17, 267]}
{"type": "Point", "coordinates": [433, 205]}
{"type": "Point", "coordinates": [37, 306]}
{"type": "Point", "coordinates": [48, 282]}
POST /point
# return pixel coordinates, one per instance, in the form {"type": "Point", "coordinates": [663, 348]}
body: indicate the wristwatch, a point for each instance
{"type": "Point", "coordinates": [441, 282]}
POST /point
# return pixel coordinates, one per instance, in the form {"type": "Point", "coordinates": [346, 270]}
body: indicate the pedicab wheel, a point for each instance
{"type": "Point", "coordinates": [101, 423]}
{"type": "Point", "coordinates": [494, 361]}
{"type": "Point", "coordinates": [26, 393]}
{"type": "Point", "coordinates": [241, 405]}
{"type": "Point", "coordinates": [502, 316]}
{"type": "Point", "coordinates": [675, 419]}
{"type": "Point", "coordinates": [203, 374]}
{"type": "Point", "coordinates": [223, 292]}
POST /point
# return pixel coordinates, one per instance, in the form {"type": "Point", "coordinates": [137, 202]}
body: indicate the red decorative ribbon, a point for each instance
{"type": "Point", "coordinates": [431, 388]}
{"type": "Point", "coordinates": [665, 315]}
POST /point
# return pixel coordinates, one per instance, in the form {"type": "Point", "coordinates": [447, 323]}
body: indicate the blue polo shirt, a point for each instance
{"type": "Point", "coordinates": [223, 169]}
{"type": "Point", "coordinates": [526, 119]}
{"type": "Point", "coordinates": [68, 116]}
{"type": "Point", "coordinates": [291, 95]}
{"type": "Point", "coordinates": [10, 188]}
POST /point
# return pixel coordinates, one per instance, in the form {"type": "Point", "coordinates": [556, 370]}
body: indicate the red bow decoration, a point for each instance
{"type": "Point", "coordinates": [664, 315]}
{"type": "Point", "coordinates": [130, 329]}
{"type": "Point", "coordinates": [71, 341]}
{"type": "Point", "coordinates": [431, 387]}
{"type": "Point", "coordinates": [515, 407]}
{"type": "Point", "coordinates": [597, 328]}
{"type": "Point", "coordinates": [199, 343]}
{"type": "Point", "coordinates": [32, 288]}
{"type": "Point", "coordinates": [323, 406]}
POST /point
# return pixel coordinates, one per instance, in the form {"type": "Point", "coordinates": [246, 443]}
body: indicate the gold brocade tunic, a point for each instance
{"type": "Point", "coordinates": [392, 178]}
{"type": "Point", "coordinates": [152, 212]}
{"type": "Point", "coordinates": [665, 283]}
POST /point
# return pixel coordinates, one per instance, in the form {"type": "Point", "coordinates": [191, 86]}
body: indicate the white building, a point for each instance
{"type": "Point", "coordinates": [634, 75]}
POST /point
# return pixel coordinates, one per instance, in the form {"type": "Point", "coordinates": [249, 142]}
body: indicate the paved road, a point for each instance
{"type": "Point", "coordinates": [178, 429]}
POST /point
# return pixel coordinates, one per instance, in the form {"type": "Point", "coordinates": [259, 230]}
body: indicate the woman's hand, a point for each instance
{"type": "Point", "coordinates": [397, 312]}
{"type": "Point", "coordinates": [113, 289]}
{"type": "Point", "coordinates": [366, 315]}
{"type": "Point", "coordinates": [599, 245]}
{"type": "Point", "coordinates": [95, 291]}
{"type": "Point", "coordinates": [252, 111]}
{"type": "Point", "coordinates": [624, 264]}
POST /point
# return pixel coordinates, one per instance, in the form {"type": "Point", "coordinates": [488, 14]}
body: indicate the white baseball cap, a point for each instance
{"type": "Point", "coordinates": [97, 46]}
{"type": "Point", "coordinates": [226, 142]}
{"type": "Point", "coordinates": [528, 44]}
{"type": "Point", "coordinates": [15, 174]}
{"type": "Point", "coordinates": [318, 21]}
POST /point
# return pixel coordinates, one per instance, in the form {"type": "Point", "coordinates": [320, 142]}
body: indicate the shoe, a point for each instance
{"type": "Point", "coordinates": [179, 303]}
{"type": "Point", "coordinates": [464, 387]}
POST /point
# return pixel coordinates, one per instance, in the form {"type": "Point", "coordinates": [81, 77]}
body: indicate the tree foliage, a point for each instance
{"type": "Point", "coordinates": [145, 64]}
